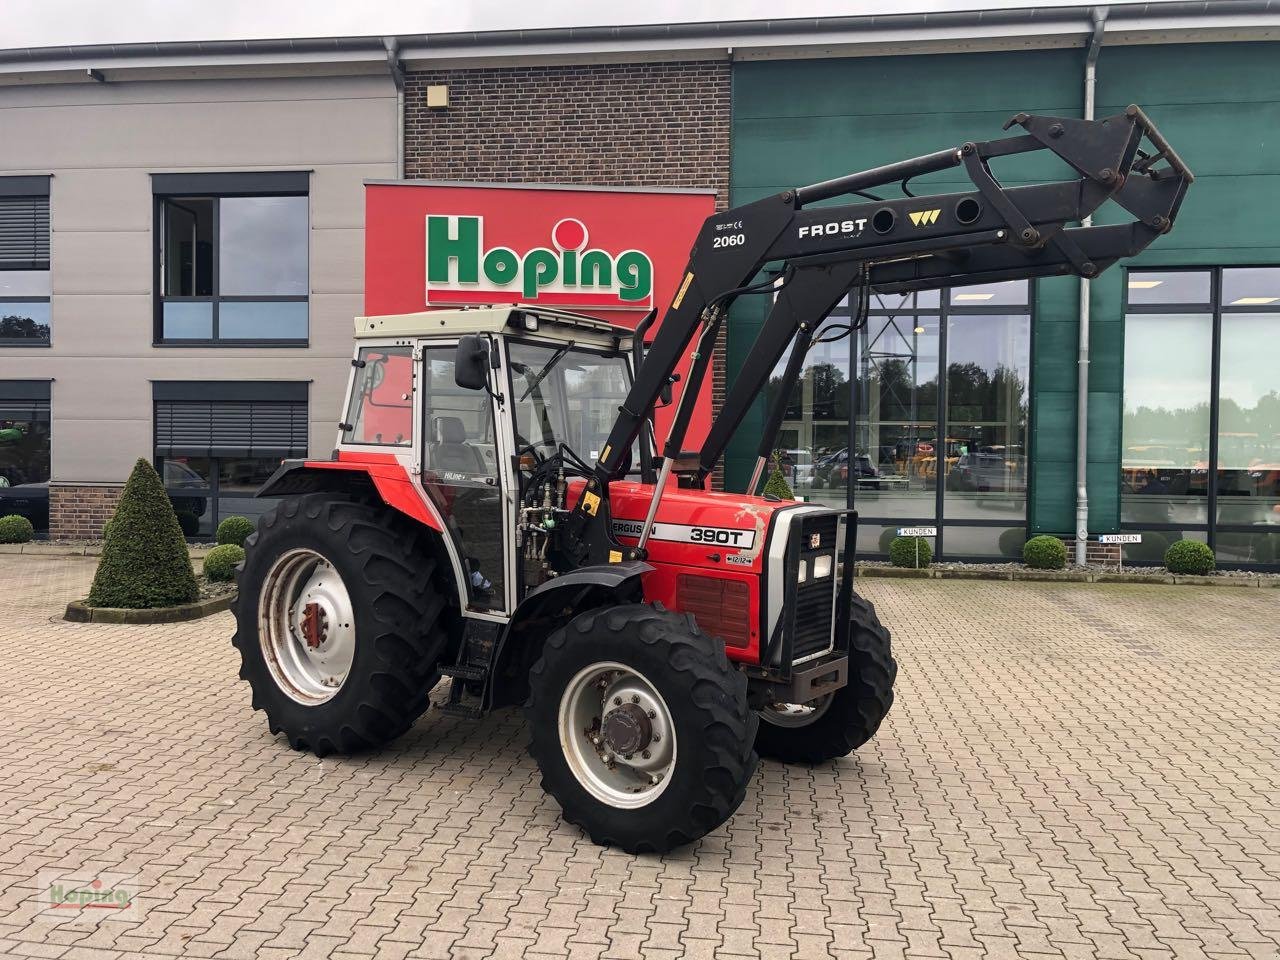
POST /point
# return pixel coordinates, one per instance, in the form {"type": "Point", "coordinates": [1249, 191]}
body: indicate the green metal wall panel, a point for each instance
{"type": "Point", "coordinates": [805, 120]}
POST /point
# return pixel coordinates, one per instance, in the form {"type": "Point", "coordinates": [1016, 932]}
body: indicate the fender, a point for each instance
{"type": "Point", "coordinates": [380, 473]}
{"type": "Point", "coordinates": [545, 608]}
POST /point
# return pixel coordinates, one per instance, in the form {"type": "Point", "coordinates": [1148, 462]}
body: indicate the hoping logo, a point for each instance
{"type": "Point", "coordinates": [460, 270]}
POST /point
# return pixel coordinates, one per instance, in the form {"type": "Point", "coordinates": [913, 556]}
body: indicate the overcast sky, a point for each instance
{"type": "Point", "coordinates": [43, 23]}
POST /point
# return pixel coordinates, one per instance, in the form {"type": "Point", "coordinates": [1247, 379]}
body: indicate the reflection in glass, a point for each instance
{"type": "Point", "coordinates": [1005, 293]}
{"type": "Point", "coordinates": [995, 542]}
{"type": "Point", "coordinates": [1167, 360]}
{"type": "Point", "coordinates": [25, 283]}
{"type": "Point", "coordinates": [244, 475]}
{"type": "Point", "coordinates": [1248, 468]}
{"type": "Point", "coordinates": [25, 322]}
{"type": "Point", "coordinates": [186, 228]}
{"type": "Point", "coordinates": [270, 320]}
{"type": "Point", "coordinates": [185, 320]}
{"type": "Point", "coordinates": [262, 246]}
{"type": "Point", "coordinates": [24, 461]}
{"type": "Point", "coordinates": [1169, 286]}
{"type": "Point", "coordinates": [899, 450]}
{"type": "Point", "coordinates": [1156, 542]}
{"type": "Point", "coordinates": [1250, 287]}
{"type": "Point", "coordinates": [988, 377]}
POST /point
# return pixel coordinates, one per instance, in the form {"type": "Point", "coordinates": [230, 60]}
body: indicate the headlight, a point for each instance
{"type": "Point", "coordinates": [821, 567]}
{"type": "Point", "coordinates": [803, 573]}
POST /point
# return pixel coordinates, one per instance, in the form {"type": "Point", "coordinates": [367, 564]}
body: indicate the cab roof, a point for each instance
{"type": "Point", "coordinates": [510, 319]}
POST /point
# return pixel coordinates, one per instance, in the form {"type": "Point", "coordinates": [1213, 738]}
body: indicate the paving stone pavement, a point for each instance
{"type": "Point", "coordinates": [1071, 770]}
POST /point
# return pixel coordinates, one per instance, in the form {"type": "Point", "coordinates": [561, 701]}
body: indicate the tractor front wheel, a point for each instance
{"type": "Point", "coordinates": [641, 728]}
{"type": "Point", "coordinates": [837, 724]}
{"type": "Point", "coordinates": [341, 618]}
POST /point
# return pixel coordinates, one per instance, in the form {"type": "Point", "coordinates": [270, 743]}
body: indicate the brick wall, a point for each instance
{"type": "Point", "coordinates": [621, 124]}
{"type": "Point", "coordinates": [78, 512]}
{"type": "Point", "coordinates": [1095, 552]}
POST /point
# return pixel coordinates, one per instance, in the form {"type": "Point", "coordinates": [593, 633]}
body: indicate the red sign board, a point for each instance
{"type": "Point", "coordinates": [613, 253]}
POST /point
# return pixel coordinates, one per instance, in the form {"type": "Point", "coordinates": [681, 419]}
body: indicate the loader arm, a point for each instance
{"type": "Point", "coordinates": [981, 235]}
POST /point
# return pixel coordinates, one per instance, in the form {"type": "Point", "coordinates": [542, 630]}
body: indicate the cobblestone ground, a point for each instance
{"type": "Point", "coordinates": [1070, 770]}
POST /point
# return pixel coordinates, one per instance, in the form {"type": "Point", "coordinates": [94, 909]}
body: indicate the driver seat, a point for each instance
{"type": "Point", "coordinates": [451, 452]}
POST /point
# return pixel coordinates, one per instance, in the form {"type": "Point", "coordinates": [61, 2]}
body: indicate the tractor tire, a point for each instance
{"type": "Point", "coordinates": [838, 724]}
{"type": "Point", "coordinates": [672, 752]}
{"type": "Point", "coordinates": [358, 674]}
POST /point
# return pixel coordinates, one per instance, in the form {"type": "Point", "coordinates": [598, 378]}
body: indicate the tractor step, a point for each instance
{"type": "Point", "coordinates": [467, 711]}
{"type": "Point", "coordinates": [462, 671]}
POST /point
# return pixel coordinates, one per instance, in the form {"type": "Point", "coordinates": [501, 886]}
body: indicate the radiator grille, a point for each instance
{"type": "Point", "coordinates": [814, 599]}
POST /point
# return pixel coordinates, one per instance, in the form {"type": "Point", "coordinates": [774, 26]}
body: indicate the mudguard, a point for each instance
{"type": "Point", "coordinates": [378, 474]}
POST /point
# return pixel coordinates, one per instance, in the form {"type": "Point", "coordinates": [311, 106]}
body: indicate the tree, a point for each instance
{"type": "Point", "coordinates": [144, 562]}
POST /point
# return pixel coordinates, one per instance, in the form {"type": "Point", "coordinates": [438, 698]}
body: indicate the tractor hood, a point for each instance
{"type": "Point", "coordinates": [697, 528]}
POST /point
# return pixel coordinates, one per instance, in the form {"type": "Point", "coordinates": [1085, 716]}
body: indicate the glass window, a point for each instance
{"type": "Point", "coordinates": [988, 380]}
{"type": "Point", "coordinates": [262, 246]}
{"type": "Point", "coordinates": [381, 407]}
{"type": "Point", "coordinates": [1167, 371]}
{"type": "Point", "coordinates": [24, 321]}
{"type": "Point", "coordinates": [1169, 286]}
{"type": "Point", "coordinates": [233, 268]}
{"type": "Point", "coordinates": [1251, 287]}
{"type": "Point", "coordinates": [460, 475]}
{"type": "Point", "coordinates": [566, 396]}
{"type": "Point", "coordinates": [1185, 422]}
{"type": "Point", "coordinates": [1005, 293]}
{"type": "Point", "coordinates": [1248, 467]}
{"type": "Point", "coordinates": [896, 467]}
{"type": "Point", "coordinates": [24, 459]}
{"type": "Point", "coordinates": [24, 270]}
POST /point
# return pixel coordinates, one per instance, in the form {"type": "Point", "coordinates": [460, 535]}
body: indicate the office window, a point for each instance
{"type": "Point", "coordinates": [24, 450]}
{"type": "Point", "coordinates": [217, 442]}
{"type": "Point", "coordinates": [1201, 423]}
{"type": "Point", "coordinates": [25, 313]}
{"type": "Point", "coordinates": [232, 258]}
{"type": "Point", "coordinates": [941, 381]}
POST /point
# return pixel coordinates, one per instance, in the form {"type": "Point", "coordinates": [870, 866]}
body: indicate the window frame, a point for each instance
{"type": "Point", "coordinates": [944, 310]}
{"type": "Point", "coordinates": [30, 186]}
{"type": "Point", "coordinates": [1215, 309]}
{"type": "Point", "coordinates": [217, 187]}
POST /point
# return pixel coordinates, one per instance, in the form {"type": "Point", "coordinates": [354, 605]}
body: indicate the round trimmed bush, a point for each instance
{"type": "Point", "coordinates": [16, 529]}
{"type": "Point", "coordinates": [220, 563]}
{"type": "Point", "coordinates": [1045, 553]}
{"type": "Point", "coordinates": [1011, 542]}
{"type": "Point", "coordinates": [1189, 556]}
{"type": "Point", "coordinates": [913, 552]}
{"type": "Point", "coordinates": [144, 562]}
{"type": "Point", "coordinates": [235, 530]}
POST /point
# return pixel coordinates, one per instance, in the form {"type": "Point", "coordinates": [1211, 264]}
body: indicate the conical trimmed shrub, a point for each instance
{"type": "Point", "coordinates": [144, 562]}
{"type": "Point", "coordinates": [777, 484]}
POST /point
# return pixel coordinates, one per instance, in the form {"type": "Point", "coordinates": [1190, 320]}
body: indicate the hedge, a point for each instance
{"type": "Point", "coordinates": [220, 562]}
{"type": "Point", "coordinates": [912, 552]}
{"type": "Point", "coordinates": [1189, 556]}
{"type": "Point", "coordinates": [235, 530]}
{"type": "Point", "coordinates": [16, 529]}
{"type": "Point", "coordinates": [1045, 553]}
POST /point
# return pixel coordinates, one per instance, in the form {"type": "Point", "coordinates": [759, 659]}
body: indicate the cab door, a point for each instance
{"type": "Point", "coordinates": [463, 475]}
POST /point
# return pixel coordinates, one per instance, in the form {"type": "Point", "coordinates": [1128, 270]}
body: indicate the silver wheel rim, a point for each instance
{"type": "Point", "coordinates": [306, 627]}
{"type": "Point", "coordinates": [793, 715]}
{"type": "Point", "coordinates": [617, 735]}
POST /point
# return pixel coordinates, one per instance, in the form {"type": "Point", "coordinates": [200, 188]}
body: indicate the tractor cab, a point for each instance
{"type": "Point", "coordinates": [470, 404]}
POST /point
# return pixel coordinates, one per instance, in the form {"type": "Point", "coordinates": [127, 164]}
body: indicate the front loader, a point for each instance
{"type": "Point", "coordinates": [496, 513]}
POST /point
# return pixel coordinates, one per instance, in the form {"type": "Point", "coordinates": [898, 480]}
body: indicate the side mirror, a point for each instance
{"type": "Point", "coordinates": [471, 363]}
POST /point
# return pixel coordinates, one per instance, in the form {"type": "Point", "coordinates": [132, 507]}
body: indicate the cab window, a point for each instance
{"type": "Point", "coordinates": [381, 407]}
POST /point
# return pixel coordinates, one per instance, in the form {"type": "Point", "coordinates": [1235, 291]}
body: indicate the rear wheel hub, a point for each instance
{"type": "Point", "coordinates": [627, 729]}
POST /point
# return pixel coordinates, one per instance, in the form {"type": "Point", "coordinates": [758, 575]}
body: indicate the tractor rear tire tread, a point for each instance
{"type": "Point", "coordinates": [714, 691]}
{"type": "Point", "coordinates": [403, 622]}
{"type": "Point", "coordinates": [856, 710]}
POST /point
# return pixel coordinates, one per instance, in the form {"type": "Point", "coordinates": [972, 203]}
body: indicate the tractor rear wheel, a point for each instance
{"type": "Point", "coordinates": [837, 724]}
{"type": "Point", "coordinates": [641, 728]}
{"type": "Point", "coordinates": [340, 622]}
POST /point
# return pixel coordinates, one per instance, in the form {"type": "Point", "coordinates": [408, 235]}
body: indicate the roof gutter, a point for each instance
{"type": "Point", "coordinates": [1082, 367]}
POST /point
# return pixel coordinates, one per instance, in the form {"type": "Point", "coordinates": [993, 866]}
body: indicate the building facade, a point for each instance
{"type": "Point", "coordinates": [181, 255]}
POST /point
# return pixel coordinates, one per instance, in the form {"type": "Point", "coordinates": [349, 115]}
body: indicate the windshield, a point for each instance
{"type": "Point", "coordinates": [573, 400]}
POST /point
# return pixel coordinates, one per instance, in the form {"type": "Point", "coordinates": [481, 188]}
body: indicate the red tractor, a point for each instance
{"type": "Point", "coordinates": [496, 512]}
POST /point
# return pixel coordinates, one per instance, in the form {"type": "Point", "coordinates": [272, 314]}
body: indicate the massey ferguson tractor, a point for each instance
{"type": "Point", "coordinates": [497, 512]}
